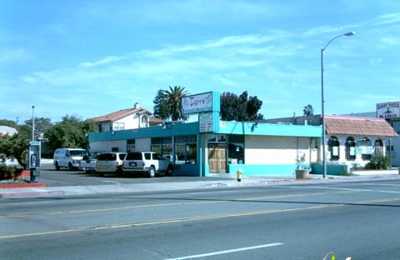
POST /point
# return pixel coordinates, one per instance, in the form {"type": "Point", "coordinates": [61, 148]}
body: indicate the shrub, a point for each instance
{"type": "Point", "coordinates": [9, 172]}
{"type": "Point", "coordinates": [379, 162]}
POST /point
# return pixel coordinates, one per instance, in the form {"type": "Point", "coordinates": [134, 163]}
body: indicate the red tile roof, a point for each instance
{"type": "Point", "coordinates": [363, 126]}
{"type": "Point", "coordinates": [120, 114]}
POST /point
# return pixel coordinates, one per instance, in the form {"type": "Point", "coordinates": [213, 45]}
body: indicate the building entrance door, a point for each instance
{"type": "Point", "coordinates": [217, 158]}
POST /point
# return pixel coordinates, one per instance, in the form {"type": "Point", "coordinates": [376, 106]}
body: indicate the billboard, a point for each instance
{"type": "Point", "coordinates": [197, 103]}
{"type": "Point", "coordinates": [388, 110]}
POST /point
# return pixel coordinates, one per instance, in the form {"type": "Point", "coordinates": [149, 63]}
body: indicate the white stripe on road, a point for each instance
{"type": "Point", "coordinates": [226, 251]}
{"type": "Point", "coordinates": [349, 189]}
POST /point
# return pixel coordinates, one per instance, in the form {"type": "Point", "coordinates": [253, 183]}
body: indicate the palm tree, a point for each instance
{"type": "Point", "coordinates": [173, 98]}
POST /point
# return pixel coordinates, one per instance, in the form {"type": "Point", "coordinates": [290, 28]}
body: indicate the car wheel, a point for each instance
{"type": "Point", "coordinates": [70, 167]}
{"type": "Point", "coordinates": [101, 174]}
{"type": "Point", "coordinates": [57, 166]}
{"type": "Point", "coordinates": [152, 172]}
{"type": "Point", "coordinates": [170, 170]}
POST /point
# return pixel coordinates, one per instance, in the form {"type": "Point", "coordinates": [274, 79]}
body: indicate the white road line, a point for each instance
{"type": "Point", "coordinates": [384, 184]}
{"type": "Point", "coordinates": [226, 251]}
{"type": "Point", "coordinates": [350, 189]}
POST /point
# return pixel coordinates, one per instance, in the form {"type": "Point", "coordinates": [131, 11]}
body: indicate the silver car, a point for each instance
{"type": "Point", "coordinates": [110, 162]}
{"type": "Point", "coordinates": [150, 163]}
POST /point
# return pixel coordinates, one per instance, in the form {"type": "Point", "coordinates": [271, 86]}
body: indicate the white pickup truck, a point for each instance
{"type": "Point", "coordinates": [88, 164]}
{"type": "Point", "coordinates": [147, 162]}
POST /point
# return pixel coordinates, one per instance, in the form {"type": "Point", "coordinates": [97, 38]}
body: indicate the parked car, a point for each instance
{"type": "Point", "coordinates": [8, 161]}
{"type": "Point", "coordinates": [88, 163]}
{"type": "Point", "coordinates": [150, 163]}
{"type": "Point", "coordinates": [110, 162]}
{"type": "Point", "coordinates": [68, 158]}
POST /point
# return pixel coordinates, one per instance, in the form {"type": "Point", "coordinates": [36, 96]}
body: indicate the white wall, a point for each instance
{"type": "Point", "coordinates": [106, 146]}
{"type": "Point", "coordinates": [130, 122]}
{"type": "Point", "coordinates": [342, 150]}
{"type": "Point", "coordinates": [277, 150]}
{"type": "Point", "coordinates": [395, 142]}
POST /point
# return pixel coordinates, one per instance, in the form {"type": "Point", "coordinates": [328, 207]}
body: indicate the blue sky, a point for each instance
{"type": "Point", "coordinates": [89, 58]}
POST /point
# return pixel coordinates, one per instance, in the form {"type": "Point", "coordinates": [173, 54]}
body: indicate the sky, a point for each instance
{"type": "Point", "coordinates": [90, 58]}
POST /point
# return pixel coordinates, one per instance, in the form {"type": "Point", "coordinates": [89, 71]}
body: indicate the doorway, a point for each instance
{"type": "Point", "coordinates": [217, 157]}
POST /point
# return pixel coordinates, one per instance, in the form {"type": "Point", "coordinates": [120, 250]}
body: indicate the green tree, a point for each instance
{"type": "Point", "coordinates": [253, 106]}
{"type": "Point", "coordinates": [308, 110]}
{"type": "Point", "coordinates": [17, 145]}
{"type": "Point", "coordinates": [10, 123]}
{"type": "Point", "coordinates": [229, 106]}
{"type": "Point", "coordinates": [240, 108]}
{"type": "Point", "coordinates": [160, 105]}
{"type": "Point", "coordinates": [41, 126]}
{"type": "Point", "coordinates": [173, 98]}
{"type": "Point", "coordinates": [70, 132]}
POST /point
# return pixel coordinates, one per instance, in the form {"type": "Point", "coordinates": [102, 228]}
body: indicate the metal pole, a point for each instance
{"type": "Point", "coordinates": [323, 117]}
{"type": "Point", "coordinates": [324, 170]}
{"type": "Point", "coordinates": [33, 123]}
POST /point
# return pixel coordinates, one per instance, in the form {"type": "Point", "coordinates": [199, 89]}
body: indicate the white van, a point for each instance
{"type": "Point", "coordinates": [68, 157]}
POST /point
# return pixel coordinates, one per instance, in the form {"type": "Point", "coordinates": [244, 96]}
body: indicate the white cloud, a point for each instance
{"type": "Point", "coordinates": [388, 19]}
{"type": "Point", "coordinates": [106, 60]}
{"type": "Point", "coordinates": [11, 55]}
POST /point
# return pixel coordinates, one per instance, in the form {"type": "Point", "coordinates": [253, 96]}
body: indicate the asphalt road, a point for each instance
{"type": "Point", "coordinates": [273, 222]}
{"type": "Point", "coordinates": [54, 178]}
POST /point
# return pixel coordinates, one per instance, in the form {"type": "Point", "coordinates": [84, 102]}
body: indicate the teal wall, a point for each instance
{"type": "Point", "coordinates": [336, 169]}
{"type": "Point", "coordinates": [263, 169]}
{"type": "Point", "coordinates": [187, 170]}
{"type": "Point", "coordinates": [155, 131]}
{"type": "Point", "coordinates": [251, 128]}
{"type": "Point", "coordinates": [246, 128]}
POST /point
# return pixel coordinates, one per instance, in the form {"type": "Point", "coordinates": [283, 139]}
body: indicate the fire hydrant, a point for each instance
{"type": "Point", "coordinates": [239, 175]}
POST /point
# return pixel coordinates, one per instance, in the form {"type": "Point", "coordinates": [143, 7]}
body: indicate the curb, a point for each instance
{"type": "Point", "coordinates": [30, 194]}
{"type": "Point", "coordinates": [35, 191]}
{"type": "Point", "coordinates": [22, 185]}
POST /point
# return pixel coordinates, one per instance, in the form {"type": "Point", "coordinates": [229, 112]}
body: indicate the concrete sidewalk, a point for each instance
{"type": "Point", "coordinates": [203, 183]}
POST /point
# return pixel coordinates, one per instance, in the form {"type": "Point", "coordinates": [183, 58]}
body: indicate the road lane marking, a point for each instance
{"type": "Point", "coordinates": [383, 184]}
{"type": "Point", "coordinates": [197, 218]}
{"type": "Point", "coordinates": [167, 221]}
{"type": "Point", "coordinates": [226, 251]}
{"type": "Point", "coordinates": [202, 201]}
{"type": "Point", "coordinates": [353, 189]}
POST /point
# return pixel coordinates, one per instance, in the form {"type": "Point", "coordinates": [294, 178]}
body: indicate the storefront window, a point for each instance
{"type": "Point", "coordinates": [191, 153]}
{"type": "Point", "coordinates": [162, 145]}
{"type": "Point", "coordinates": [350, 149]}
{"type": "Point", "coordinates": [334, 145]}
{"type": "Point", "coordinates": [236, 149]}
{"type": "Point", "coordinates": [185, 149]}
{"type": "Point", "coordinates": [378, 147]}
{"type": "Point", "coordinates": [366, 149]}
{"type": "Point", "coordinates": [216, 138]}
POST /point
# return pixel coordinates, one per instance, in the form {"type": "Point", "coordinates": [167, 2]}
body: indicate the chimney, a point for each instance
{"type": "Point", "coordinates": [137, 105]}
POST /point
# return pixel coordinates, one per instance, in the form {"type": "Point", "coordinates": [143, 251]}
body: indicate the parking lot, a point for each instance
{"type": "Point", "coordinates": [64, 177]}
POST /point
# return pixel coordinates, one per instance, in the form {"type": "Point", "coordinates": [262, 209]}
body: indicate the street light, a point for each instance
{"type": "Point", "coordinates": [323, 101]}
{"type": "Point", "coordinates": [33, 123]}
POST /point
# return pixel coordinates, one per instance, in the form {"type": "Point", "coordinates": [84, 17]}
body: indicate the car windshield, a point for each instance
{"type": "Point", "coordinates": [134, 156]}
{"type": "Point", "coordinates": [107, 157]}
{"type": "Point", "coordinates": [77, 152]}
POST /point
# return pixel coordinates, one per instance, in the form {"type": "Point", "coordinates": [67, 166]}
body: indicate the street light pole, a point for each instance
{"type": "Point", "coordinates": [323, 102]}
{"type": "Point", "coordinates": [33, 123]}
